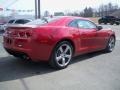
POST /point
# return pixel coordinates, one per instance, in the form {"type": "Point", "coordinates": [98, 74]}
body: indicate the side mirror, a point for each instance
{"type": "Point", "coordinates": [99, 28]}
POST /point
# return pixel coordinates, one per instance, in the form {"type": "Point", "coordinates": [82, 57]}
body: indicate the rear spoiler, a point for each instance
{"type": "Point", "coordinates": [21, 25]}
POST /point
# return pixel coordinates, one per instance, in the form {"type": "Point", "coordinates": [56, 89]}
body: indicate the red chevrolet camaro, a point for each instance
{"type": "Point", "coordinates": [57, 39]}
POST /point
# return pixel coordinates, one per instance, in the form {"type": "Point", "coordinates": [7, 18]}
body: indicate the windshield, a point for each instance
{"type": "Point", "coordinates": [43, 21]}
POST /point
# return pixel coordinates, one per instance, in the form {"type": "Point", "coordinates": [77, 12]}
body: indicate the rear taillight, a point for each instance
{"type": "Point", "coordinates": [23, 34]}
{"type": "Point", "coordinates": [28, 34]}
{"type": "Point", "coordinates": [19, 32]}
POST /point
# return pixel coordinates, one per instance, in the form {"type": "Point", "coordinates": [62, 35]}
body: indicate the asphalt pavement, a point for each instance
{"type": "Point", "coordinates": [95, 71]}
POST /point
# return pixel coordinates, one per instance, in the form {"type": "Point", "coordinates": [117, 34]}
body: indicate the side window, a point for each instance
{"type": "Point", "coordinates": [73, 24]}
{"type": "Point", "coordinates": [86, 24]}
{"type": "Point", "coordinates": [26, 21]}
{"type": "Point", "coordinates": [19, 22]}
{"type": "Point", "coordinates": [11, 21]}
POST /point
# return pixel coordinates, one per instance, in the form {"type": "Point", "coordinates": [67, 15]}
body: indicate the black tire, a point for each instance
{"type": "Point", "coordinates": [117, 23]}
{"type": "Point", "coordinates": [111, 23]}
{"type": "Point", "coordinates": [53, 60]}
{"type": "Point", "coordinates": [105, 23]}
{"type": "Point", "coordinates": [111, 41]}
{"type": "Point", "coordinates": [99, 22]}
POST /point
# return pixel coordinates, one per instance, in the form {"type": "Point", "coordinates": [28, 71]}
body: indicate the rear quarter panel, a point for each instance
{"type": "Point", "coordinates": [45, 39]}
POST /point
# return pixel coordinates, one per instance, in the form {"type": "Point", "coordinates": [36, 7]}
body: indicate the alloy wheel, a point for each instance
{"type": "Point", "coordinates": [63, 55]}
{"type": "Point", "coordinates": [111, 44]}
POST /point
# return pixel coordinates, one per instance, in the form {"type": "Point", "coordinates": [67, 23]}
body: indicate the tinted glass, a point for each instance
{"type": "Point", "coordinates": [26, 21]}
{"type": "Point", "coordinates": [19, 22]}
{"type": "Point", "coordinates": [109, 17]}
{"type": "Point", "coordinates": [11, 21]}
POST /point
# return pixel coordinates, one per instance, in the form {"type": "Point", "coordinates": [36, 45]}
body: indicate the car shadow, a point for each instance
{"type": "Point", "coordinates": [12, 68]}
{"type": "Point", "coordinates": [86, 56]}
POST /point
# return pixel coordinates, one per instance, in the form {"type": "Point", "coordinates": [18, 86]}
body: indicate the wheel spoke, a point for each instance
{"type": "Point", "coordinates": [66, 50]}
{"type": "Point", "coordinates": [63, 61]}
{"type": "Point", "coordinates": [58, 58]}
{"type": "Point", "coordinates": [68, 56]}
{"type": "Point", "coordinates": [111, 43]}
{"type": "Point", "coordinates": [61, 49]}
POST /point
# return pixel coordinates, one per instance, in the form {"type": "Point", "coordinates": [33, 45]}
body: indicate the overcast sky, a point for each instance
{"type": "Point", "coordinates": [54, 5]}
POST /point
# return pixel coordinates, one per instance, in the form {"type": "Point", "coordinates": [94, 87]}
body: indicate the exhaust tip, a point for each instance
{"type": "Point", "coordinates": [25, 57]}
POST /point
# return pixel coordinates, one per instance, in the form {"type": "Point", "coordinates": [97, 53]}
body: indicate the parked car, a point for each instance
{"type": "Point", "coordinates": [1, 27]}
{"type": "Point", "coordinates": [109, 19]}
{"type": "Point", "coordinates": [56, 40]}
{"type": "Point", "coordinates": [16, 21]}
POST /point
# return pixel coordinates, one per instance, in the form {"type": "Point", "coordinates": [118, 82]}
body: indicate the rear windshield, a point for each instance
{"type": "Point", "coordinates": [43, 21]}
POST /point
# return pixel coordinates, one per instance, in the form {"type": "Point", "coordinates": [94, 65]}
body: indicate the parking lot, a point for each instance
{"type": "Point", "coordinates": [95, 71]}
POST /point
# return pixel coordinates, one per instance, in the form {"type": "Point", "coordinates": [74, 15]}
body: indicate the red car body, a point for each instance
{"type": "Point", "coordinates": [38, 42]}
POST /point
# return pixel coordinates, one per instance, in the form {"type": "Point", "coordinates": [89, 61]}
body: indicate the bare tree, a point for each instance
{"type": "Point", "coordinates": [88, 12]}
{"type": "Point", "coordinates": [105, 10]}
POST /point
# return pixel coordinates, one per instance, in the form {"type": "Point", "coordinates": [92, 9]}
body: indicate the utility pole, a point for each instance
{"type": "Point", "coordinates": [39, 14]}
{"type": "Point", "coordinates": [37, 9]}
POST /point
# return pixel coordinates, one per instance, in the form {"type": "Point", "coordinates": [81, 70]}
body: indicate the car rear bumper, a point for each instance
{"type": "Point", "coordinates": [36, 52]}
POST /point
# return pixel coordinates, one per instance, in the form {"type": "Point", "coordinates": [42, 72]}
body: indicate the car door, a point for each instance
{"type": "Point", "coordinates": [88, 36]}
